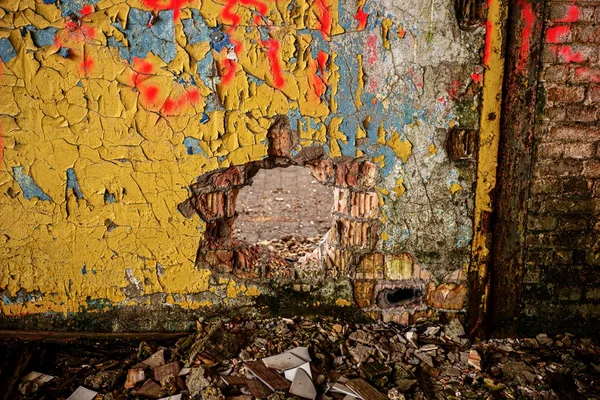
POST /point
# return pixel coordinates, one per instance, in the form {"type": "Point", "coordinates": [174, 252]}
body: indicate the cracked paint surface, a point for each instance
{"type": "Point", "coordinates": [112, 108]}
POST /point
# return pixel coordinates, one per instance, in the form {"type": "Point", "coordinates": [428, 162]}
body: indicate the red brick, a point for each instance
{"type": "Point", "coordinates": [557, 168]}
{"type": "Point", "coordinates": [587, 34]}
{"type": "Point", "coordinates": [573, 223]}
{"type": "Point", "coordinates": [555, 113]}
{"type": "Point", "coordinates": [353, 233]}
{"type": "Point", "coordinates": [575, 134]}
{"type": "Point", "coordinates": [545, 186]}
{"type": "Point", "coordinates": [364, 205]}
{"type": "Point", "coordinates": [570, 13]}
{"type": "Point", "coordinates": [586, 74]}
{"type": "Point", "coordinates": [210, 205]}
{"type": "Point", "coordinates": [232, 176]}
{"type": "Point", "coordinates": [566, 150]}
{"type": "Point", "coordinates": [363, 293]}
{"type": "Point", "coordinates": [591, 169]}
{"type": "Point", "coordinates": [340, 200]}
{"type": "Point", "coordinates": [559, 34]}
{"type": "Point", "coordinates": [582, 113]}
{"type": "Point", "coordinates": [574, 53]}
{"type": "Point", "coordinates": [594, 94]}
{"type": "Point", "coordinates": [541, 223]}
{"type": "Point", "coordinates": [596, 190]}
{"type": "Point", "coordinates": [565, 94]}
{"type": "Point", "coordinates": [370, 267]}
{"type": "Point", "coordinates": [555, 73]}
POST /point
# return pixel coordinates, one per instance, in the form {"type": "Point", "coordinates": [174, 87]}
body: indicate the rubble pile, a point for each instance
{"type": "Point", "coordinates": [324, 358]}
{"type": "Point", "coordinates": [291, 248]}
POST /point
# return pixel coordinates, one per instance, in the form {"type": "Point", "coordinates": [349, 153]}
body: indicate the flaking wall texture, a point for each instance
{"type": "Point", "coordinates": [111, 109]}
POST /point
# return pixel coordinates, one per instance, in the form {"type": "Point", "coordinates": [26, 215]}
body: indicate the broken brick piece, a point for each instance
{"type": "Point", "coordinates": [269, 377]}
{"type": "Point", "coordinates": [134, 375]}
{"type": "Point", "coordinates": [150, 389]}
{"type": "Point", "coordinates": [171, 369]}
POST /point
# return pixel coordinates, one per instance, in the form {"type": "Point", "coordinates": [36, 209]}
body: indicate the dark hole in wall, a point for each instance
{"type": "Point", "coordinates": [394, 297]}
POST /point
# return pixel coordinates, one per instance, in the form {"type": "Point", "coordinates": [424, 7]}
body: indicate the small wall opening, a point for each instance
{"type": "Point", "coordinates": [395, 297]}
{"type": "Point", "coordinates": [285, 209]}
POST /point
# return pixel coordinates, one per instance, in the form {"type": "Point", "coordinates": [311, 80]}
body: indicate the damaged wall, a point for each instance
{"type": "Point", "coordinates": [560, 278]}
{"type": "Point", "coordinates": [112, 109]}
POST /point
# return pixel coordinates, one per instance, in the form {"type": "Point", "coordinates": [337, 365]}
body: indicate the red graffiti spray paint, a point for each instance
{"type": "Point", "coordinates": [528, 20]}
{"type": "Point", "coordinates": [371, 49]}
{"type": "Point", "coordinates": [487, 50]}
{"type": "Point", "coordinates": [174, 5]}
{"type": "Point", "coordinates": [558, 34]}
{"type": "Point", "coordinates": [141, 68]}
{"type": "Point", "coordinates": [86, 10]}
{"type": "Point", "coordinates": [572, 15]}
{"type": "Point", "coordinates": [272, 46]}
{"type": "Point", "coordinates": [322, 60]}
{"type": "Point", "coordinates": [361, 16]}
{"type": "Point", "coordinates": [150, 93]}
{"type": "Point", "coordinates": [567, 55]}
{"type": "Point", "coordinates": [229, 69]}
{"type": "Point", "coordinates": [177, 104]}
{"type": "Point", "coordinates": [86, 65]}
{"type": "Point", "coordinates": [587, 74]}
{"type": "Point", "coordinates": [324, 18]}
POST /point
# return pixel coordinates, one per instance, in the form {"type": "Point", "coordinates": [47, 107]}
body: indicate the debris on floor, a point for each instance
{"type": "Point", "coordinates": [322, 358]}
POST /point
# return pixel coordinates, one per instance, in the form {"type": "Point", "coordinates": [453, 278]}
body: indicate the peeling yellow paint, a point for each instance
{"type": "Point", "coordinates": [360, 82]}
{"type": "Point", "coordinates": [253, 291]}
{"type": "Point", "coordinates": [343, 303]}
{"type": "Point", "coordinates": [432, 149]}
{"type": "Point", "coordinates": [399, 189]}
{"type": "Point", "coordinates": [487, 159]}
{"type": "Point", "coordinates": [455, 187]}
{"type": "Point", "coordinates": [233, 290]}
{"type": "Point", "coordinates": [402, 147]}
{"type": "Point", "coordinates": [386, 24]}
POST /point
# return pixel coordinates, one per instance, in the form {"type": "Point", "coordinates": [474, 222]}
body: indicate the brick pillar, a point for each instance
{"type": "Point", "coordinates": [562, 268]}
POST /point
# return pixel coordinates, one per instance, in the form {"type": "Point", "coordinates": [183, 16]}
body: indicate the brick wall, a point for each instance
{"type": "Point", "coordinates": [560, 283]}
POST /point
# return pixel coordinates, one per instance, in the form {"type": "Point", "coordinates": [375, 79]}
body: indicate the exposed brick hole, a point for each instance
{"type": "Point", "coordinates": [395, 297]}
{"type": "Point", "coordinates": [355, 212]}
{"type": "Point", "coordinates": [284, 208]}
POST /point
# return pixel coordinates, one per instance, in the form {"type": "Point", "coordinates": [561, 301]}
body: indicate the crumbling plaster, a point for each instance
{"type": "Point", "coordinates": [111, 109]}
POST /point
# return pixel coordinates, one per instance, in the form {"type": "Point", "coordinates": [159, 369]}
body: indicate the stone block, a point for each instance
{"type": "Point", "coordinates": [399, 317]}
{"type": "Point", "coordinates": [370, 267]}
{"type": "Point", "coordinates": [570, 293]}
{"type": "Point", "coordinates": [399, 266]}
{"type": "Point", "coordinates": [363, 293]}
{"type": "Point", "coordinates": [448, 296]}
